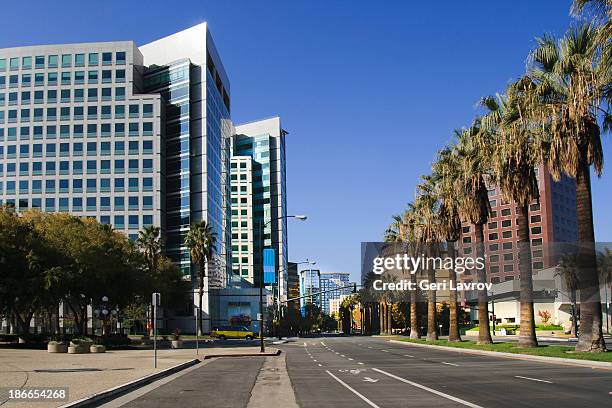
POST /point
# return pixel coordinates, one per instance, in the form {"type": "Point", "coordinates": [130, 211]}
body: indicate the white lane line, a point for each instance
{"type": "Point", "coordinates": [336, 352]}
{"type": "Point", "coordinates": [441, 394]}
{"type": "Point", "coordinates": [370, 403]}
{"type": "Point", "coordinates": [320, 365]}
{"type": "Point", "coordinates": [533, 379]}
{"type": "Point", "coordinates": [385, 351]}
{"type": "Point", "coordinates": [369, 346]}
{"type": "Point", "coordinates": [360, 363]}
{"type": "Point", "coordinates": [408, 355]}
{"type": "Point", "coordinates": [351, 359]}
{"type": "Point", "coordinates": [450, 364]}
{"type": "Point", "coordinates": [342, 355]}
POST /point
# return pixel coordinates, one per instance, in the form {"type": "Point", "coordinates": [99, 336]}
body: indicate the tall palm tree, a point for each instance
{"type": "Point", "coordinates": [445, 173]}
{"type": "Point", "coordinates": [426, 207]}
{"type": "Point", "coordinates": [515, 154]}
{"type": "Point", "coordinates": [150, 243]}
{"type": "Point", "coordinates": [569, 99]}
{"type": "Point", "coordinates": [403, 230]}
{"type": "Point", "coordinates": [201, 241]}
{"type": "Point", "coordinates": [472, 153]}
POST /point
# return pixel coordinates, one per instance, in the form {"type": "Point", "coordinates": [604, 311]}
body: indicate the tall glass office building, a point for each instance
{"type": "Point", "coordinates": [133, 136]}
{"type": "Point", "coordinates": [259, 200]}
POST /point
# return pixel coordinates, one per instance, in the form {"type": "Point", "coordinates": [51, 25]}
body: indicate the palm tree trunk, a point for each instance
{"type": "Point", "coordinates": [432, 333]}
{"type": "Point", "coordinates": [527, 334]}
{"type": "Point", "coordinates": [414, 322]}
{"type": "Point", "coordinates": [453, 328]}
{"type": "Point", "coordinates": [390, 318]}
{"type": "Point", "coordinates": [591, 335]}
{"type": "Point", "coordinates": [484, 335]}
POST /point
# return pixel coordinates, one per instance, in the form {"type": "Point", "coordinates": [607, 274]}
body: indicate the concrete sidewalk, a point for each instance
{"type": "Point", "coordinates": [87, 374]}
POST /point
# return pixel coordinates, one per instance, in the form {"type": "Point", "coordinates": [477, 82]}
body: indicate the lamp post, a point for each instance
{"type": "Point", "coordinates": [261, 280]}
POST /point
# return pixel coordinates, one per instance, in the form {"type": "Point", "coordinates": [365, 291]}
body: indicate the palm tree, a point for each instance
{"type": "Point", "coordinates": [472, 154]}
{"type": "Point", "coordinates": [515, 155]}
{"type": "Point", "coordinates": [567, 271]}
{"type": "Point", "coordinates": [601, 12]}
{"type": "Point", "coordinates": [426, 207]}
{"type": "Point", "coordinates": [445, 174]}
{"type": "Point", "coordinates": [568, 99]}
{"type": "Point", "coordinates": [402, 230]}
{"type": "Point", "coordinates": [201, 241]}
{"type": "Point", "coordinates": [150, 243]}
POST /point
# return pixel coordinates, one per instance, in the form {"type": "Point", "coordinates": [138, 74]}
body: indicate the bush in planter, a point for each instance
{"type": "Point", "coordinates": [97, 348]}
{"type": "Point", "coordinates": [57, 347]}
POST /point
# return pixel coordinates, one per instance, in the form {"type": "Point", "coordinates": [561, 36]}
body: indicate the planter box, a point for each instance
{"type": "Point", "coordinates": [97, 348]}
{"type": "Point", "coordinates": [57, 348]}
{"type": "Point", "coordinates": [80, 349]}
{"type": "Point", "coordinates": [177, 344]}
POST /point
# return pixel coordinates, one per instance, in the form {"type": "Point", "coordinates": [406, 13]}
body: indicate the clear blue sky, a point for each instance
{"type": "Point", "coordinates": [368, 90]}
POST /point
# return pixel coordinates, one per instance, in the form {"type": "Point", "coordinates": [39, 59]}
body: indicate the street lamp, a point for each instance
{"type": "Point", "coordinates": [261, 280]}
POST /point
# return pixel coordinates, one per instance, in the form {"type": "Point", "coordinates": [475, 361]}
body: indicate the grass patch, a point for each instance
{"type": "Point", "coordinates": [505, 347]}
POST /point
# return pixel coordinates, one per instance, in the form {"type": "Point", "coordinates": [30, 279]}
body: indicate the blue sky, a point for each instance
{"type": "Point", "coordinates": [369, 91]}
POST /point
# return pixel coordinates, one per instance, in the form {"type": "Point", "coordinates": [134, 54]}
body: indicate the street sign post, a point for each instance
{"type": "Point", "coordinates": [156, 301]}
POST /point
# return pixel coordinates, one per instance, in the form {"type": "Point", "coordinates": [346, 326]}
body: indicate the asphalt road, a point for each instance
{"type": "Point", "coordinates": [371, 372]}
{"type": "Point", "coordinates": [365, 371]}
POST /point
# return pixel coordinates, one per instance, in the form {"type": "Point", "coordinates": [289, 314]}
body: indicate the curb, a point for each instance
{"type": "Point", "coordinates": [266, 354]}
{"type": "Point", "coordinates": [516, 356]}
{"type": "Point", "coordinates": [95, 400]}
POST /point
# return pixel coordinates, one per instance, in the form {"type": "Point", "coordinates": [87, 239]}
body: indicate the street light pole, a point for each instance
{"type": "Point", "coordinates": [262, 227]}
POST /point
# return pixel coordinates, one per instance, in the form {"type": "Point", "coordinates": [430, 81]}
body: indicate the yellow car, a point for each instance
{"type": "Point", "coordinates": [232, 332]}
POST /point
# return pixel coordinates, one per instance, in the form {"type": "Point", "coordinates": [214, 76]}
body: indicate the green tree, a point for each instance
{"type": "Point", "coordinates": [201, 241]}
{"type": "Point", "coordinates": [150, 243]}
{"type": "Point", "coordinates": [516, 152]}
{"type": "Point", "coordinates": [569, 100]}
{"type": "Point", "coordinates": [472, 154]}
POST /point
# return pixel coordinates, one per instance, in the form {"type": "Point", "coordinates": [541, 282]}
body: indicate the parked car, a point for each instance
{"type": "Point", "coordinates": [232, 332]}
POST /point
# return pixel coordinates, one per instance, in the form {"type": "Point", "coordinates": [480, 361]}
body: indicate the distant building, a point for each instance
{"type": "Point", "coordinates": [293, 285]}
{"type": "Point", "coordinates": [334, 285]}
{"type": "Point", "coordinates": [310, 285]}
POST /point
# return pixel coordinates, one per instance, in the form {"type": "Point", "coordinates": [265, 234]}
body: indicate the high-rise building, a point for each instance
{"type": "Point", "coordinates": [133, 136]}
{"type": "Point", "coordinates": [310, 286]}
{"type": "Point", "coordinates": [293, 285]}
{"type": "Point", "coordinates": [334, 285]}
{"type": "Point", "coordinates": [552, 220]}
{"type": "Point", "coordinates": [259, 200]}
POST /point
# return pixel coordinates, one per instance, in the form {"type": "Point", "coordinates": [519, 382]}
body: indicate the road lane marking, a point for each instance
{"type": "Point", "coordinates": [369, 346]}
{"type": "Point", "coordinates": [342, 355]}
{"type": "Point", "coordinates": [369, 379]}
{"type": "Point", "coordinates": [450, 364]}
{"type": "Point", "coordinates": [533, 379]}
{"type": "Point", "coordinates": [314, 361]}
{"type": "Point", "coordinates": [350, 359]}
{"type": "Point", "coordinates": [348, 387]}
{"type": "Point", "coordinates": [431, 390]}
{"type": "Point", "coordinates": [360, 363]}
{"type": "Point", "coordinates": [320, 365]}
{"type": "Point", "coordinates": [385, 351]}
{"type": "Point", "coordinates": [408, 355]}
